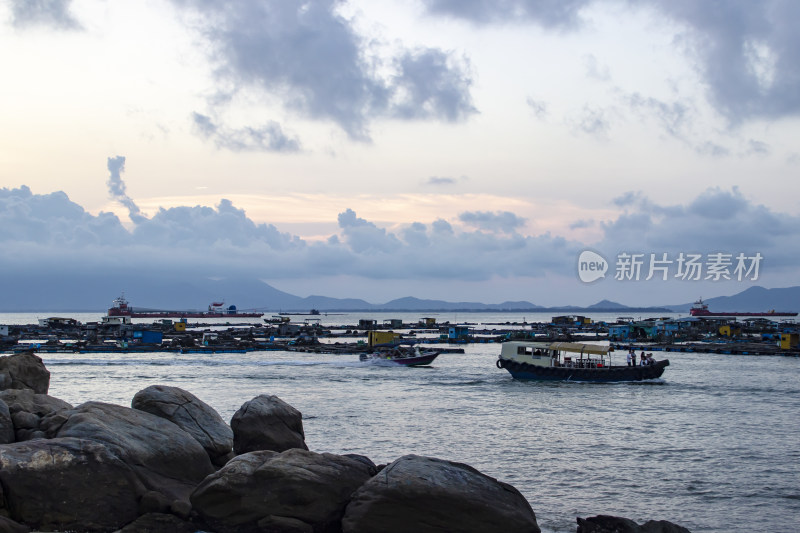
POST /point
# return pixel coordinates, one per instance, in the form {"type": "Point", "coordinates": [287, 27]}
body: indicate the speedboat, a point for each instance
{"type": "Point", "coordinates": [401, 355]}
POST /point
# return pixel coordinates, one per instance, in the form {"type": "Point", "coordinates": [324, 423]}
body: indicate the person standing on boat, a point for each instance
{"type": "Point", "coordinates": [633, 357]}
{"type": "Point", "coordinates": [629, 358]}
{"type": "Point", "coordinates": [642, 359]}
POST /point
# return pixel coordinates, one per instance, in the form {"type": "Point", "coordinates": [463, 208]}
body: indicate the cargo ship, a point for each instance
{"type": "Point", "coordinates": [700, 308]}
{"type": "Point", "coordinates": [121, 307]}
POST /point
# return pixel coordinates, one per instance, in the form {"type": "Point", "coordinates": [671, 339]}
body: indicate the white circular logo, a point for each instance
{"type": "Point", "coordinates": [591, 266]}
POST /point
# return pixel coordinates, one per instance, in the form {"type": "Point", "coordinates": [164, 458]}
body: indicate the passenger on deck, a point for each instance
{"type": "Point", "coordinates": [629, 358]}
{"type": "Point", "coordinates": [643, 359]}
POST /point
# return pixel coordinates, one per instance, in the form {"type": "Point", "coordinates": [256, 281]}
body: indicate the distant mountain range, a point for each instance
{"type": "Point", "coordinates": [755, 299]}
{"type": "Point", "coordinates": [92, 294]}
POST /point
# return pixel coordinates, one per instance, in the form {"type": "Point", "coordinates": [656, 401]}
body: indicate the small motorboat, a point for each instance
{"type": "Point", "coordinates": [402, 355]}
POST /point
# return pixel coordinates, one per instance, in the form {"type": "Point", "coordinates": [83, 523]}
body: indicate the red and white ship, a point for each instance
{"type": "Point", "coordinates": [215, 310]}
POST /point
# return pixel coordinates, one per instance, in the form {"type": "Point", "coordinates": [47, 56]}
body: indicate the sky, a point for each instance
{"type": "Point", "coordinates": [464, 150]}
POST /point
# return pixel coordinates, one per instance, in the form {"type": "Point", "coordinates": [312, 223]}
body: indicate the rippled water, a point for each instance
{"type": "Point", "coordinates": [712, 446]}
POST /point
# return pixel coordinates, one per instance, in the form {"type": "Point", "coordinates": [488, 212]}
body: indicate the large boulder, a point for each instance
{"type": "Point", "coordinates": [617, 524]}
{"type": "Point", "coordinates": [189, 413]}
{"type": "Point", "coordinates": [67, 485]}
{"type": "Point", "coordinates": [424, 494]}
{"type": "Point", "coordinates": [267, 423]}
{"type": "Point", "coordinates": [28, 411]}
{"type": "Point", "coordinates": [292, 491]}
{"type": "Point", "coordinates": [166, 458]}
{"type": "Point", "coordinates": [24, 371]}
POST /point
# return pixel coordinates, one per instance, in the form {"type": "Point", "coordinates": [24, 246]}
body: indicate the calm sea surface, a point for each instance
{"type": "Point", "coordinates": [712, 446]}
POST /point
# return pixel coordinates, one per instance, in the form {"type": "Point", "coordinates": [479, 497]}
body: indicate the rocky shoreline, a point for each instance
{"type": "Point", "coordinates": [170, 463]}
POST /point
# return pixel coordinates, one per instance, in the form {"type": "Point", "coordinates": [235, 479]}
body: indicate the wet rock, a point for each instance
{"type": "Point", "coordinates": [166, 458]}
{"type": "Point", "coordinates": [159, 523]}
{"type": "Point", "coordinates": [424, 494]}
{"type": "Point", "coordinates": [295, 490]}
{"type": "Point", "coordinates": [67, 484]}
{"type": "Point", "coordinates": [191, 414]}
{"type": "Point", "coordinates": [267, 423]}
{"type": "Point", "coordinates": [24, 371]}
{"type": "Point", "coordinates": [616, 524]}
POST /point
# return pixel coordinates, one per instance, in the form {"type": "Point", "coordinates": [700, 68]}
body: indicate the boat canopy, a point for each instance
{"type": "Point", "coordinates": [579, 348]}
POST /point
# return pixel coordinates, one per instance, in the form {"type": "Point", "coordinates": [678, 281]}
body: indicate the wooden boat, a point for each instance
{"type": "Point", "coordinates": [401, 355]}
{"type": "Point", "coordinates": [568, 361]}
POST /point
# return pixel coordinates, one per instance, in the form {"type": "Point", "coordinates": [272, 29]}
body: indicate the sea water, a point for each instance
{"type": "Point", "coordinates": [712, 446]}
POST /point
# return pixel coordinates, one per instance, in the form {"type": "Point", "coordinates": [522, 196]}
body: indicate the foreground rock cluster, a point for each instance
{"type": "Point", "coordinates": [171, 463]}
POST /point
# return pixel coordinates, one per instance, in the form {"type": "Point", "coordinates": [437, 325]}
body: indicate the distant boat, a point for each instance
{"type": "Point", "coordinates": [120, 307]}
{"type": "Point", "coordinates": [700, 308]}
{"type": "Point", "coordinates": [568, 361]}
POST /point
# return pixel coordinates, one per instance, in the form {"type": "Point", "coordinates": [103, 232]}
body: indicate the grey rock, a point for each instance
{"type": "Point", "coordinates": [189, 413]}
{"type": "Point", "coordinates": [24, 371]}
{"type": "Point", "coordinates": [67, 484]}
{"type": "Point", "coordinates": [267, 423]}
{"type": "Point", "coordinates": [9, 526]}
{"type": "Point", "coordinates": [166, 458]}
{"type": "Point", "coordinates": [617, 524]}
{"type": "Point", "coordinates": [25, 420]}
{"type": "Point", "coordinates": [423, 494]}
{"type": "Point", "coordinates": [32, 402]}
{"type": "Point", "coordinates": [159, 523]}
{"type": "Point", "coordinates": [291, 491]}
{"type": "Point", "coordinates": [6, 425]}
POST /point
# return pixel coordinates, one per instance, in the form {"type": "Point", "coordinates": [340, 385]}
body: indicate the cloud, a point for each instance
{"type": "Point", "coordinates": [444, 180]}
{"type": "Point", "coordinates": [431, 84]}
{"type": "Point", "coordinates": [547, 13]}
{"type": "Point", "coordinates": [582, 224]}
{"type": "Point", "coordinates": [748, 52]}
{"type": "Point", "coordinates": [538, 107]}
{"type": "Point", "coordinates": [267, 138]}
{"type": "Point", "coordinates": [116, 188]}
{"type": "Point", "coordinates": [595, 70]}
{"type": "Point", "coordinates": [50, 237]}
{"type": "Point", "coordinates": [504, 221]}
{"type": "Point", "coordinates": [627, 199]}
{"type": "Point", "coordinates": [593, 121]}
{"type": "Point", "coordinates": [52, 13]}
{"type": "Point", "coordinates": [311, 58]}
{"type": "Point", "coordinates": [718, 220]}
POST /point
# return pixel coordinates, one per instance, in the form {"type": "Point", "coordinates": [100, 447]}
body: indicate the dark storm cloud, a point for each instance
{"type": "Point", "coordinates": [548, 13]}
{"type": "Point", "coordinates": [312, 59]}
{"type": "Point", "coordinates": [266, 138]}
{"type": "Point", "coordinates": [53, 13]}
{"type": "Point", "coordinates": [504, 221]}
